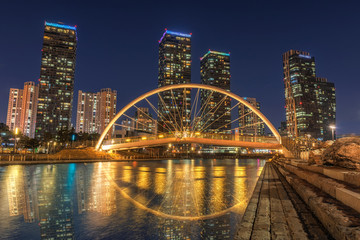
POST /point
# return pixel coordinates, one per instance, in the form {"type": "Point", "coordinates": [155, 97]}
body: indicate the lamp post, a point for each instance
{"type": "Point", "coordinates": [16, 133]}
{"type": "Point", "coordinates": [332, 131]}
{"type": "Point", "coordinates": [54, 150]}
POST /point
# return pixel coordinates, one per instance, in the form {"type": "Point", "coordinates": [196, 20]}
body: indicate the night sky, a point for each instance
{"type": "Point", "coordinates": [118, 46]}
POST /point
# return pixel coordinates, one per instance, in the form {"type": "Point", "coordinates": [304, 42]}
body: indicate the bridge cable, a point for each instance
{"type": "Point", "coordinates": [170, 113]}
{"type": "Point", "coordinates": [213, 113]}
{"type": "Point", "coordinates": [201, 110]}
{"type": "Point", "coordinates": [170, 118]}
{"type": "Point", "coordinates": [234, 120]}
{"type": "Point", "coordinates": [177, 109]}
{"type": "Point", "coordinates": [158, 113]}
{"type": "Point", "coordinates": [152, 119]}
{"type": "Point", "coordinates": [194, 104]}
{"type": "Point", "coordinates": [205, 127]}
{"type": "Point", "coordinates": [168, 108]}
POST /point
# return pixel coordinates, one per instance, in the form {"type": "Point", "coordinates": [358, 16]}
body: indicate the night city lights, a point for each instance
{"type": "Point", "coordinates": [241, 122]}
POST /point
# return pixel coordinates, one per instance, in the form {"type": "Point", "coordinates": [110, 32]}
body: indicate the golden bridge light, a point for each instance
{"type": "Point", "coordinates": [143, 138]}
{"type": "Point", "coordinates": [127, 140]}
{"type": "Point", "coordinates": [161, 136]}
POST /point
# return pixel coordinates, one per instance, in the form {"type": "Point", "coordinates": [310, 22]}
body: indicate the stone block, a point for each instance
{"type": "Point", "coordinates": [280, 231]}
{"type": "Point", "coordinates": [352, 178]}
{"type": "Point", "coordinates": [349, 198]}
{"type": "Point", "coordinates": [277, 217]}
{"type": "Point", "coordinates": [260, 235]}
{"type": "Point", "coordinates": [312, 168]}
{"type": "Point", "coordinates": [335, 173]}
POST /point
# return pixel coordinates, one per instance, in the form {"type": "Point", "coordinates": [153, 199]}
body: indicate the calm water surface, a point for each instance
{"type": "Point", "coordinates": [169, 199]}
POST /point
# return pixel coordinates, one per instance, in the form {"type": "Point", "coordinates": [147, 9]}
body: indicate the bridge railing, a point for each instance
{"type": "Point", "coordinates": [232, 137]}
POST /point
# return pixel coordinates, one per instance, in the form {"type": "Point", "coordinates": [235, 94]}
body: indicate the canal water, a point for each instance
{"type": "Point", "coordinates": [165, 199]}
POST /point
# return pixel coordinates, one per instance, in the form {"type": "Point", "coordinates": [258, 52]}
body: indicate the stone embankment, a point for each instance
{"type": "Point", "coordinates": [322, 202]}
{"type": "Point", "coordinates": [275, 211]}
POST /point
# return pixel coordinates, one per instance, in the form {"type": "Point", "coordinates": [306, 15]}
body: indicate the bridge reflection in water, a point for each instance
{"type": "Point", "coordinates": [160, 199]}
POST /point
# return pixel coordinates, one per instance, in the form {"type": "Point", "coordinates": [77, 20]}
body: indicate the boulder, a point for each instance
{"type": "Point", "coordinates": [344, 152]}
{"type": "Point", "coordinates": [315, 156]}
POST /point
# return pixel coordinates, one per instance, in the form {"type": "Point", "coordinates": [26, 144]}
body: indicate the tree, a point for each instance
{"type": "Point", "coordinates": [33, 144]}
{"type": "Point", "coordinates": [5, 136]}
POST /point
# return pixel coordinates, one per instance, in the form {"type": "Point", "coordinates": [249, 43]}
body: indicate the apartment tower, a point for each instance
{"type": "Point", "coordinates": [215, 71]}
{"type": "Point", "coordinates": [174, 68]}
{"type": "Point", "coordinates": [56, 80]}
{"type": "Point", "coordinates": [309, 100]}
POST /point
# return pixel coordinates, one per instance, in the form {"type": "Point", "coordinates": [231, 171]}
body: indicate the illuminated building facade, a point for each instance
{"type": "Point", "coordinates": [215, 71]}
{"type": "Point", "coordinates": [174, 68]}
{"type": "Point", "coordinates": [326, 102]}
{"type": "Point", "coordinates": [144, 121]}
{"type": "Point", "coordinates": [56, 79]}
{"type": "Point", "coordinates": [310, 101]}
{"type": "Point", "coordinates": [22, 108]}
{"type": "Point", "coordinates": [14, 108]}
{"type": "Point", "coordinates": [29, 109]}
{"type": "Point", "coordinates": [86, 115]}
{"type": "Point", "coordinates": [106, 110]}
{"type": "Point", "coordinates": [249, 122]}
{"type": "Point", "coordinates": [95, 110]}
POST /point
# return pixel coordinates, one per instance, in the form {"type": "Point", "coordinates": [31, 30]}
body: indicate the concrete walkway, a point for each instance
{"type": "Point", "coordinates": [275, 211]}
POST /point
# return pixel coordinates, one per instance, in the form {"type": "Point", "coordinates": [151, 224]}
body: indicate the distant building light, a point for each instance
{"type": "Point", "coordinates": [215, 52]}
{"type": "Point", "coordinates": [60, 25]}
{"type": "Point", "coordinates": [174, 33]}
{"type": "Point", "coordinates": [304, 56]}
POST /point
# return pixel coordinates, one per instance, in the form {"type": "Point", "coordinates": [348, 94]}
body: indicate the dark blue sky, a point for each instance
{"type": "Point", "coordinates": [118, 48]}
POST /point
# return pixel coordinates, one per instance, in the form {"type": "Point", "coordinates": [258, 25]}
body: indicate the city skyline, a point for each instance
{"type": "Point", "coordinates": [242, 84]}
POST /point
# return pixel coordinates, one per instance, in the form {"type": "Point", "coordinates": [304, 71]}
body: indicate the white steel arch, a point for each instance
{"type": "Point", "coordinates": [188, 85]}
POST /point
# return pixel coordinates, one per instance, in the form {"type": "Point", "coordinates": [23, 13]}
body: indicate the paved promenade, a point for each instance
{"type": "Point", "coordinates": [275, 211]}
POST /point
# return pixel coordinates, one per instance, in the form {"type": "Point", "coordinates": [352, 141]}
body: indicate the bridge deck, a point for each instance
{"type": "Point", "coordinates": [205, 141]}
{"type": "Point", "coordinates": [275, 211]}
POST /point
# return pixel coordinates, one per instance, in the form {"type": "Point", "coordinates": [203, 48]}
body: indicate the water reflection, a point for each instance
{"type": "Point", "coordinates": [159, 199]}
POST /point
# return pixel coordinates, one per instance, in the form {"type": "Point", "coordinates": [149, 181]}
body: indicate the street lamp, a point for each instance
{"type": "Point", "coordinates": [332, 131]}
{"type": "Point", "coordinates": [16, 133]}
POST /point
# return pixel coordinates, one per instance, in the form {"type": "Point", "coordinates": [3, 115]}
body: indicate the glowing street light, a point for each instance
{"type": "Point", "coordinates": [332, 131]}
{"type": "Point", "coordinates": [16, 133]}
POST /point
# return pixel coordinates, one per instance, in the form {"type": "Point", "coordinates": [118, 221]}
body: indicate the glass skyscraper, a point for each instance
{"type": "Point", "coordinates": [215, 71]}
{"type": "Point", "coordinates": [174, 68]}
{"type": "Point", "coordinates": [310, 101]}
{"type": "Point", "coordinates": [56, 85]}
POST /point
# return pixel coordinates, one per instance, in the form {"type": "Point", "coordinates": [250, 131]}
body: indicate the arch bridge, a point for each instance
{"type": "Point", "coordinates": [186, 122]}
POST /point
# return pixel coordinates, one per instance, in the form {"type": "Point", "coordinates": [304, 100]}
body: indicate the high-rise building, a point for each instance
{"type": "Point", "coordinates": [95, 111]}
{"type": "Point", "coordinates": [174, 68]}
{"type": "Point", "coordinates": [56, 80]}
{"type": "Point", "coordinates": [29, 109]}
{"type": "Point", "coordinates": [326, 106]}
{"type": "Point", "coordinates": [22, 109]}
{"type": "Point", "coordinates": [106, 110]}
{"type": "Point", "coordinates": [249, 122]}
{"type": "Point", "coordinates": [87, 109]}
{"type": "Point", "coordinates": [14, 108]}
{"type": "Point", "coordinates": [215, 71]}
{"type": "Point", "coordinates": [310, 101]}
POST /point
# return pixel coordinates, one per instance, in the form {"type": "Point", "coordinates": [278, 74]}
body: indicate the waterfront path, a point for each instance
{"type": "Point", "coordinates": [275, 211]}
